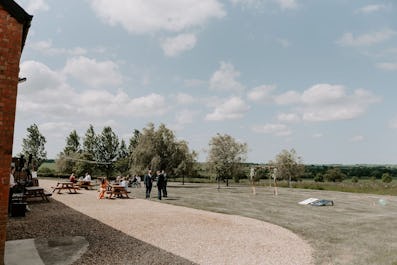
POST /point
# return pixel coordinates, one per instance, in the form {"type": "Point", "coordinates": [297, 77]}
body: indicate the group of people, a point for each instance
{"type": "Point", "coordinates": [160, 178]}
{"type": "Point", "coordinates": [86, 178]}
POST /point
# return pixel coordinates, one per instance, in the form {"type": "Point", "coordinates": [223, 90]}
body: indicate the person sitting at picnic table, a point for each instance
{"type": "Point", "coordinates": [124, 183]}
{"type": "Point", "coordinates": [87, 177]}
{"type": "Point", "coordinates": [103, 188]}
{"type": "Point", "coordinates": [72, 178]}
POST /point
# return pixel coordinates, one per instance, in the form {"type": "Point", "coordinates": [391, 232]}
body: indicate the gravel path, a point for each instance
{"type": "Point", "coordinates": [198, 236]}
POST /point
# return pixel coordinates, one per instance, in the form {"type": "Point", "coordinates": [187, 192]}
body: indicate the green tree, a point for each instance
{"type": "Point", "coordinates": [122, 163]}
{"type": "Point", "coordinates": [226, 156]}
{"type": "Point", "coordinates": [72, 143]}
{"type": "Point", "coordinates": [160, 150]}
{"type": "Point", "coordinates": [387, 178]}
{"type": "Point", "coordinates": [335, 175]}
{"type": "Point", "coordinates": [67, 160]}
{"type": "Point", "coordinates": [107, 150]}
{"type": "Point", "coordinates": [289, 166]}
{"type": "Point", "coordinates": [34, 145]}
{"type": "Point", "coordinates": [86, 162]}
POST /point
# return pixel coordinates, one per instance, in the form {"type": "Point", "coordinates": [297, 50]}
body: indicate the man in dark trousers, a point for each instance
{"type": "Point", "coordinates": [147, 180]}
{"type": "Point", "coordinates": [165, 184]}
{"type": "Point", "coordinates": [160, 183]}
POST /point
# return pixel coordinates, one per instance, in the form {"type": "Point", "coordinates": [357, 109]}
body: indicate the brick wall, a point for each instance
{"type": "Point", "coordinates": [10, 53]}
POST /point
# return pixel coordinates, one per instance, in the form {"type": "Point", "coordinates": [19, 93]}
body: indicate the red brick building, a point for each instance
{"type": "Point", "coordinates": [14, 26]}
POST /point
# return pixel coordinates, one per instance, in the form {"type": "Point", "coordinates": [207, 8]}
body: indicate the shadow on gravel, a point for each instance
{"type": "Point", "coordinates": [106, 244]}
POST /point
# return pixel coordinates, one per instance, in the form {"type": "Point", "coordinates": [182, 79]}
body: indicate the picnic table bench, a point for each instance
{"type": "Point", "coordinates": [65, 186]}
{"type": "Point", "coordinates": [36, 192]}
{"type": "Point", "coordinates": [86, 184]}
{"type": "Point", "coordinates": [117, 191]}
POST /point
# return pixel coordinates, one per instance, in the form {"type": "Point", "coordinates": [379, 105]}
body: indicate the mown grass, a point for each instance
{"type": "Point", "coordinates": [358, 229]}
{"type": "Point", "coordinates": [363, 186]}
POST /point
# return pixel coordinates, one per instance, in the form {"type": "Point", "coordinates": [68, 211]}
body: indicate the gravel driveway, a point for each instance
{"type": "Point", "coordinates": [198, 236]}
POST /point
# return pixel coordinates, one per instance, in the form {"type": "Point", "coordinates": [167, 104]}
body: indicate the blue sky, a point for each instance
{"type": "Point", "coordinates": [316, 76]}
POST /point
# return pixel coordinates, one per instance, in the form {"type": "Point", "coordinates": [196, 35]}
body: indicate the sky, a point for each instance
{"type": "Point", "coordinates": [316, 76]}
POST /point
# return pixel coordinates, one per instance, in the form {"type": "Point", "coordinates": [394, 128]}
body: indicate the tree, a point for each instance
{"type": "Point", "coordinates": [160, 150]}
{"type": "Point", "coordinates": [289, 166]}
{"type": "Point", "coordinates": [33, 146]}
{"type": "Point", "coordinates": [122, 163]}
{"type": "Point", "coordinates": [72, 143]}
{"type": "Point", "coordinates": [85, 164]}
{"type": "Point", "coordinates": [107, 150]}
{"type": "Point", "coordinates": [226, 156]}
{"type": "Point", "coordinates": [66, 161]}
{"type": "Point", "coordinates": [335, 175]}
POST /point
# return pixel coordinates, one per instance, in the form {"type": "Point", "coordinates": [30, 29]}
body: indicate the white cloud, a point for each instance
{"type": "Point", "coordinates": [288, 117]}
{"type": "Point", "coordinates": [387, 66]}
{"type": "Point", "coordinates": [55, 99]}
{"type": "Point", "coordinates": [287, 98]}
{"type": "Point", "coordinates": [36, 6]}
{"type": "Point", "coordinates": [224, 79]}
{"type": "Point", "coordinates": [261, 93]}
{"type": "Point", "coordinates": [323, 94]}
{"type": "Point", "coordinates": [184, 99]}
{"type": "Point", "coordinates": [185, 117]}
{"type": "Point", "coordinates": [176, 45]}
{"type": "Point", "coordinates": [46, 48]}
{"type": "Point", "coordinates": [39, 76]}
{"type": "Point", "coordinates": [277, 129]}
{"type": "Point", "coordinates": [370, 9]}
{"type": "Point", "coordinates": [325, 102]}
{"type": "Point", "coordinates": [138, 16]}
{"type": "Point", "coordinates": [232, 108]}
{"type": "Point", "coordinates": [93, 73]}
{"type": "Point", "coordinates": [283, 4]}
{"type": "Point", "coordinates": [348, 39]}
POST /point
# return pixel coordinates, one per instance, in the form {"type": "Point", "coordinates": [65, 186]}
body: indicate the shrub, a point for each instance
{"type": "Point", "coordinates": [355, 179]}
{"type": "Point", "coordinates": [45, 170]}
{"type": "Point", "coordinates": [334, 175]}
{"type": "Point", "coordinates": [387, 178]}
{"type": "Point", "coordinates": [319, 178]}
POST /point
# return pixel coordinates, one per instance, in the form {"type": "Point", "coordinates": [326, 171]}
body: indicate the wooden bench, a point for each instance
{"type": "Point", "coordinates": [118, 191]}
{"type": "Point", "coordinates": [88, 185]}
{"type": "Point", "coordinates": [35, 192]}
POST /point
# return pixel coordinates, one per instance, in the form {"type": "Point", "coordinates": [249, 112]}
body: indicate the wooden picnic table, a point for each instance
{"type": "Point", "coordinates": [117, 190]}
{"type": "Point", "coordinates": [35, 192]}
{"type": "Point", "coordinates": [87, 184]}
{"type": "Point", "coordinates": [65, 186]}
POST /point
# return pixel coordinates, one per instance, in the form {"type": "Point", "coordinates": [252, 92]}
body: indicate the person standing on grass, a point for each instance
{"type": "Point", "coordinates": [165, 184]}
{"type": "Point", "coordinates": [160, 183]}
{"type": "Point", "coordinates": [147, 180]}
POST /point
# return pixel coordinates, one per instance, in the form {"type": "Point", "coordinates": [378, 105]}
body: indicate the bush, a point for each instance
{"type": "Point", "coordinates": [387, 178]}
{"type": "Point", "coordinates": [355, 179]}
{"type": "Point", "coordinates": [334, 175]}
{"type": "Point", "coordinates": [45, 170]}
{"type": "Point", "coordinates": [319, 178]}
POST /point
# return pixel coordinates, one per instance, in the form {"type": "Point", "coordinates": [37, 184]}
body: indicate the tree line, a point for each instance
{"type": "Point", "coordinates": [158, 148]}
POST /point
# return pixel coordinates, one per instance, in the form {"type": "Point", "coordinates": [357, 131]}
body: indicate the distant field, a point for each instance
{"type": "Point", "coordinates": [50, 165]}
{"type": "Point", "coordinates": [359, 229]}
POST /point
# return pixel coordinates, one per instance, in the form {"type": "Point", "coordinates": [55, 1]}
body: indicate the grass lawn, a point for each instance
{"type": "Point", "coordinates": [358, 229]}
